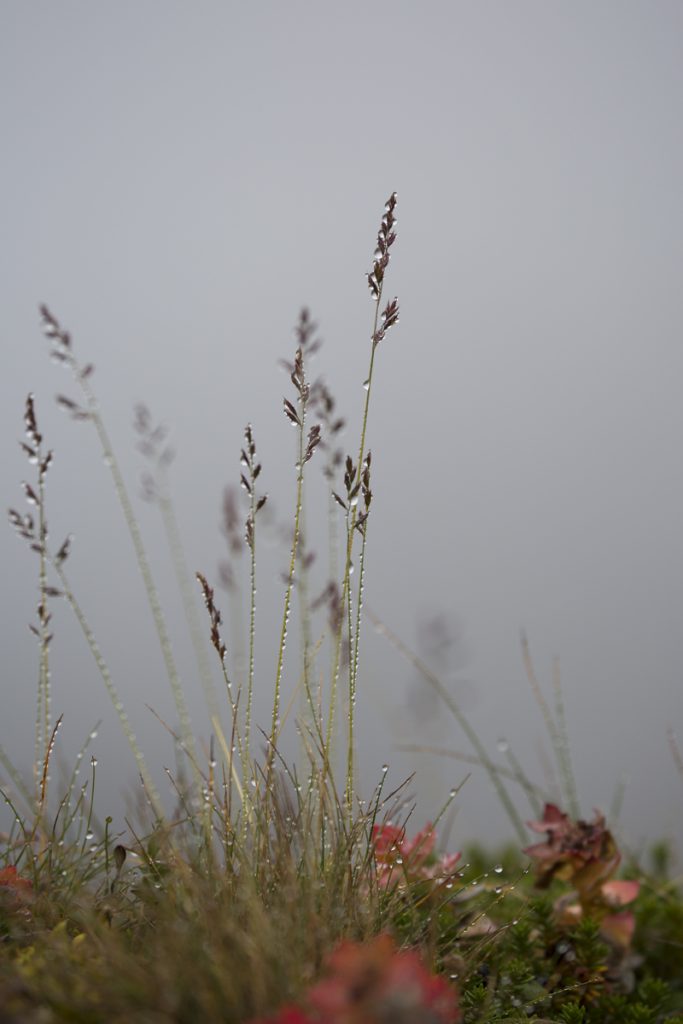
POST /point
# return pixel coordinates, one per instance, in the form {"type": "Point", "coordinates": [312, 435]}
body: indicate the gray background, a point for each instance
{"type": "Point", "coordinates": [178, 179]}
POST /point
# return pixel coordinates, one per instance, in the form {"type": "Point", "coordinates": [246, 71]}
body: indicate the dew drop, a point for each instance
{"type": "Point", "coordinates": [498, 869]}
{"type": "Point", "coordinates": [385, 769]}
{"type": "Point", "coordinates": [366, 384]}
{"type": "Point", "coordinates": [503, 745]}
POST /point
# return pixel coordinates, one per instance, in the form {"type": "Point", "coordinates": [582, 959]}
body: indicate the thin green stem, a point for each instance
{"type": "Point", "coordinates": [520, 776]}
{"type": "Point", "coordinates": [354, 674]}
{"type": "Point", "coordinates": [42, 726]}
{"type": "Point", "coordinates": [288, 591]}
{"type": "Point", "coordinates": [557, 729]}
{"type": "Point", "coordinates": [564, 747]}
{"type": "Point", "coordinates": [234, 709]}
{"type": "Point", "coordinates": [336, 664]}
{"type": "Point", "coordinates": [515, 773]}
{"type": "Point", "coordinates": [44, 683]}
{"type": "Point", "coordinates": [304, 606]}
{"type": "Point", "coordinates": [235, 614]}
{"type": "Point", "coordinates": [110, 687]}
{"type": "Point", "coordinates": [38, 744]}
{"type": "Point", "coordinates": [348, 789]}
{"type": "Point", "coordinates": [550, 723]}
{"type": "Point", "coordinates": [187, 593]}
{"type": "Point", "coordinates": [75, 770]}
{"type": "Point", "coordinates": [361, 452]}
{"type": "Point", "coordinates": [143, 564]}
{"type": "Point", "coordinates": [333, 547]}
{"type": "Point", "coordinates": [452, 706]}
{"type": "Point", "coordinates": [16, 778]}
{"type": "Point", "coordinates": [252, 621]}
{"type": "Point", "coordinates": [349, 539]}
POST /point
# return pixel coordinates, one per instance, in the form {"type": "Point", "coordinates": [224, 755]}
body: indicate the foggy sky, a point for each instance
{"type": "Point", "coordinates": [179, 179]}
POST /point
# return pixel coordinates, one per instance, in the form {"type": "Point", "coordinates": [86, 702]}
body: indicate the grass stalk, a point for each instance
{"type": "Point", "coordinates": [146, 573]}
{"type": "Point", "coordinates": [556, 727]}
{"type": "Point", "coordinates": [389, 317]}
{"type": "Point", "coordinates": [346, 581]}
{"type": "Point", "coordinates": [460, 718]}
{"type": "Point", "coordinates": [298, 418]}
{"type": "Point", "coordinates": [110, 687]}
{"type": "Point", "coordinates": [252, 629]}
{"type": "Point", "coordinates": [253, 467]}
{"type": "Point", "coordinates": [62, 351]}
{"type": "Point", "coordinates": [564, 748]}
{"type": "Point", "coordinates": [182, 573]}
{"type": "Point", "coordinates": [43, 618]}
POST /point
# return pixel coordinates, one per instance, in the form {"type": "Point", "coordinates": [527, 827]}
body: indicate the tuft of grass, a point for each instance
{"type": "Point", "coordinates": [265, 890]}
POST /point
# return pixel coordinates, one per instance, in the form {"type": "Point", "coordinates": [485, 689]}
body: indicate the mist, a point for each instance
{"type": "Point", "coordinates": [179, 181]}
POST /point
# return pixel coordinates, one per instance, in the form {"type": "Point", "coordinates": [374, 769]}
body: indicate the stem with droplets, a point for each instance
{"type": "Point", "coordinates": [354, 673]}
{"type": "Point", "coordinates": [349, 548]}
{"type": "Point", "coordinates": [252, 621]}
{"type": "Point", "coordinates": [176, 548]}
{"type": "Point", "coordinates": [109, 685]}
{"type": "Point", "coordinates": [290, 582]}
{"type": "Point", "coordinates": [44, 621]}
{"type": "Point", "coordinates": [141, 556]}
{"type": "Point", "coordinates": [460, 718]}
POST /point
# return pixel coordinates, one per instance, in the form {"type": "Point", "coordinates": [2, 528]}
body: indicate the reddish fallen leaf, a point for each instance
{"type": "Point", "coordinates": [9, 879]}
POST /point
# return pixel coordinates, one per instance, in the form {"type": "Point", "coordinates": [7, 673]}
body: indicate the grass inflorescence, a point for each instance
{"type": "Point", "coordinates": [269, 890]}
